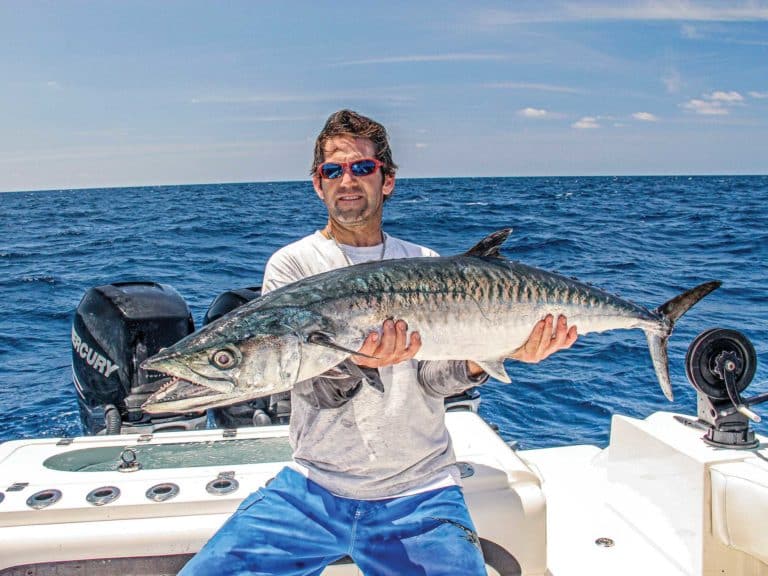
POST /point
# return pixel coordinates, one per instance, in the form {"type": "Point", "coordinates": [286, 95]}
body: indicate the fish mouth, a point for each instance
{"type": "Point", "coordinates": [180, 395]}
{"type": "Point", "coordinates": [184, 390]}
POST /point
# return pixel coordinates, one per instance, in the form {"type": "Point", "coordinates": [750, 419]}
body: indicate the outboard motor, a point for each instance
{"type": "Point", "coordinates": [274, 409]}
{"type": "Point", "coordinates": [115, 328]}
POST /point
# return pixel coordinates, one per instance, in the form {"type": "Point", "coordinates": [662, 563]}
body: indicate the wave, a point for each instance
{"type": "Point", "coordinates": [647, 238]}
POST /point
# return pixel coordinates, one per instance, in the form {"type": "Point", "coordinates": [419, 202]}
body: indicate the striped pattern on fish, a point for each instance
{"type": "Point", "coordinates": [477, 306]}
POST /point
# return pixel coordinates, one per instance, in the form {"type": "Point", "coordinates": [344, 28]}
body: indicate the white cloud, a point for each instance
{"type": "Point", "coordinates": [645, 117]}
{"type": "Point", "coordinates": [421, 145]}
{"type": "Point", "coordinates": [758, 95]}
{"type": "Point", "coordinates": [721, 96]}
{"type": "Point", "coordinates": [535, 86]}
{"type": "Point", "coordinates": [269, 119]}
{"type": "Point", "coordinates": [533, 113]}
{"type": "Point", "coordinates": [452, 57]}
{"type": "Point", "coordinates": [391, 97]}
{"type": "Point", "coordinates": [153, 150]}
{"type": "Point", "coordinates": [586, 123]}
{"type": "Point", "coordinates": [648, 10]}
{"type": "Point", "coordinates": [706, 107]}
{"type": "Point", "coordinates": [718, 103]}
{"type": "Point", "coordinates": [672, 81]}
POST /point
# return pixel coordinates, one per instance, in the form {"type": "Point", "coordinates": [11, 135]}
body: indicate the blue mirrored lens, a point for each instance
{"type": "Point", "coordinates": [331, 170]}
{"type": "Point", "coordinates": [363, 167]}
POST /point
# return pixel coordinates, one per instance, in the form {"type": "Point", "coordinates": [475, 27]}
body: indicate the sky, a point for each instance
{"type": "Point", "coordinates": [106, 93]}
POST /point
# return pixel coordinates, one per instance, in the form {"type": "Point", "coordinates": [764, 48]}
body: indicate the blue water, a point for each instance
{"type": "Point", "coordinates": [646, 238]}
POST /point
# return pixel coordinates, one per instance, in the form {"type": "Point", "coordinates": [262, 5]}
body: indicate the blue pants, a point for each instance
{"type": "Point", "coordinates": [295, 527]}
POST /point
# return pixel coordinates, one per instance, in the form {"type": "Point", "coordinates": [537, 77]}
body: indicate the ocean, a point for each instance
{"type": "Point", "coordinates": [645, 238]}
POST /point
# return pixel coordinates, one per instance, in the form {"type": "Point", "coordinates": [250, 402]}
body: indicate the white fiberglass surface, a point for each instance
{"type": "Point", "coordinates": [184, 454]}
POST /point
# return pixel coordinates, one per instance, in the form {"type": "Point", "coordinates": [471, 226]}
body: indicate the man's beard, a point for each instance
{"type": "Point", "coordinates": [351, 216]}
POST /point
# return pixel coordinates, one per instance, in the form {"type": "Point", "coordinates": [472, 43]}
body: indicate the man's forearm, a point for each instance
{"type": "Point", "coordinates": [448, 377]}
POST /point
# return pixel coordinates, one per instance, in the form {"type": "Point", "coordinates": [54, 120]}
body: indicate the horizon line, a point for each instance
{"type": "Point", "coordinates": [308, 181]}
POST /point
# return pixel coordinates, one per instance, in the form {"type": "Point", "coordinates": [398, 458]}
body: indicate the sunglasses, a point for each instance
{"type": "Point", "coordinates": [334, 170]}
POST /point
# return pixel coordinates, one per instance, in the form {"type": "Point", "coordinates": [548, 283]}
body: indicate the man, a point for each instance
{"type": "Point", "coordinates": [374, 475]}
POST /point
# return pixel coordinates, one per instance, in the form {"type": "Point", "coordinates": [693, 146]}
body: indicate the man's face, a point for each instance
{"type": "Point", "coordinates": [352, 200]}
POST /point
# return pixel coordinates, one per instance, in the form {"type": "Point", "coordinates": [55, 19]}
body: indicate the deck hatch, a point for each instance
{"type": "Point", "coordinates": [155, 456]}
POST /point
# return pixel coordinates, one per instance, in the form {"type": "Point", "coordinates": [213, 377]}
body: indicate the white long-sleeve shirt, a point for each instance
{"type": "Point", "coordinates": [350, 438]}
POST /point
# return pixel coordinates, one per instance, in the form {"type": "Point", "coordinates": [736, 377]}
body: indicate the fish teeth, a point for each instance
{"type": "Point", "coordinates": [167, 385]}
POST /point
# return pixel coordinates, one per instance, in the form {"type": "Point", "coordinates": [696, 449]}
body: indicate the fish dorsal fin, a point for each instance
{"type": "Point", "coordinates": [489, 246]}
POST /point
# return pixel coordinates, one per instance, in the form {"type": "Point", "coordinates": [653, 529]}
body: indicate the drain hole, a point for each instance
{"type": "Point", "coordinates": [221, 486]}
{"type": "Point", "coordinates": [162, 492]}
{"type": "Point", "coordinates": [43, 499]}
{"type": "Point", "coordinates": [103, 495]}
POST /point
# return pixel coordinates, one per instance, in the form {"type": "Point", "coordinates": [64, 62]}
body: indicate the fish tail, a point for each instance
{"type": "Point", "coordinates": [670, 312]}
{"type": "Point", "coordinates": [657, 345]}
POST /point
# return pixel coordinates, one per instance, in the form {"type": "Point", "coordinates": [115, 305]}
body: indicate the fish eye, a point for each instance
{"type": "Point", "coordinates": [224, 358]}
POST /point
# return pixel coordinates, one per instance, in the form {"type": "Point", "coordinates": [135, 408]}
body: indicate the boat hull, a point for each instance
{"type": "Point", "coordinates": [657, 500]}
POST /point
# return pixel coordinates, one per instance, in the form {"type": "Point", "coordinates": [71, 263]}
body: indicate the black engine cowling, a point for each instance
{"type": "Point", "coordinates": [115, 328]}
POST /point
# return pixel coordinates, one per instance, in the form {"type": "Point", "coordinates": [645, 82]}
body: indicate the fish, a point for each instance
{"type": "Point", "coordinates": [477, 306]}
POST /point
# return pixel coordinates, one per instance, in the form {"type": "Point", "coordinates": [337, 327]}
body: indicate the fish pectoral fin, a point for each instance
{"type": "Point", "coordinates": [323, 339]}
{"type": "Point", "coordinates": [335, 374]}
{"type": "Point", "coordinates": [343, 370]}
{"type": "Point", "coordinates": [494, 368]}
{"type": "Point", "coordinates": [349, 368]}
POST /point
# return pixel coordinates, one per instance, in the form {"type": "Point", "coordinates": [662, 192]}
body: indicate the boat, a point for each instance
{"type": "Point", "coordinates": [671, 494]}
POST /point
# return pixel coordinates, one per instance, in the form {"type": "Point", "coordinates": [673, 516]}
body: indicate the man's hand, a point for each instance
{"type": "Point", "coordinates": [541, 343]}
{"type": "Point", "coordinates": [391, 347]}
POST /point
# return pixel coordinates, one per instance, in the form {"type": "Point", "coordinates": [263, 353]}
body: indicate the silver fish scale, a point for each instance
{"type": "Point", "coordinates": [469, 307]}
{"type": "Point", "coordinates": [452, 300]}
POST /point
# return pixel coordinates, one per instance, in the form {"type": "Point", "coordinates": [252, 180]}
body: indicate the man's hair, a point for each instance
{"type": "Point", "coordinates": [350, 123]}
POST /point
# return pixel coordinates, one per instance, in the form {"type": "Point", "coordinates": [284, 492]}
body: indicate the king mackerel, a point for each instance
{"type": "Point", "coordinates": [478, 305]}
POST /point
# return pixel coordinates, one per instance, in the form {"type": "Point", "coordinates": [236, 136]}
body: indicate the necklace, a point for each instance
{"type": "Point", "coordinates": [346, 256]}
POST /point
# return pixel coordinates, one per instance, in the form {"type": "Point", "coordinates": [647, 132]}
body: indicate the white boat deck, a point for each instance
{"type": "Point", "coordinates": [657, 501]}
{"type": "Point", "coordinates": [585, 535]}
{"type": "Point", "coordinates": [643, 505]}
